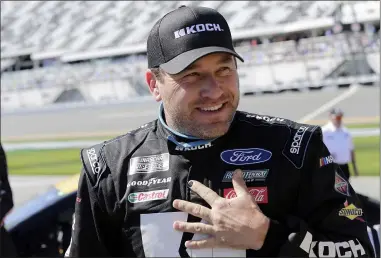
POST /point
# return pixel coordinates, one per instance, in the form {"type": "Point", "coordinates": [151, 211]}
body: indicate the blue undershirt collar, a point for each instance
{"type": "Point", "coordinates": [193, 141]}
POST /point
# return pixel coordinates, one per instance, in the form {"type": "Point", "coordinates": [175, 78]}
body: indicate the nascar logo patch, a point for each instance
{"type": "Point", "coordinates": [325, 161]}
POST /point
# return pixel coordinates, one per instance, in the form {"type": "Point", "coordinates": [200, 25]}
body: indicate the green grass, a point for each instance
{"type": "Point", "coordinates": [367, 155]}
{"type": "Point", "coordinates": [364, 125]}
{"type": "Point", "coordinates": [44, 162]}
{"type": "Point", "coordinates": [67, 161]}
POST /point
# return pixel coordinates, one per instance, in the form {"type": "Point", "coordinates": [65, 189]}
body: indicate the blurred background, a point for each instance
{"type": "Point", "coordinates": [72, 74]}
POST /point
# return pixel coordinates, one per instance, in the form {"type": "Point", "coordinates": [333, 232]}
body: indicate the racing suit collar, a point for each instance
{"type": "Point", "coordinates": [180, 139]}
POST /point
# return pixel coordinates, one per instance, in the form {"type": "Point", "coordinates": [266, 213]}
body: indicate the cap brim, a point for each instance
{"type": "Point", "coordinates": [182, 61]}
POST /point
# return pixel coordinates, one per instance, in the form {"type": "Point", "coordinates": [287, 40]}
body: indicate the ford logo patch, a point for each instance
{"type": "Point", "coordinates": [245, 156]}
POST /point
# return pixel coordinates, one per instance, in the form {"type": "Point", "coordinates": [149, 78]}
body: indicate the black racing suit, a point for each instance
{"type": "Point", "coordinates": [127, 186]}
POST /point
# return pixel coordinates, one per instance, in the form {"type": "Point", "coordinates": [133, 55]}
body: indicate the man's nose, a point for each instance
{"type": "Point", "coordinates": [211, 89]}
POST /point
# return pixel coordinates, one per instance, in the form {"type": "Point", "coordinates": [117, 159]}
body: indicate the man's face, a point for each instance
{"type": "Point", "coordinates": [202, 99]}
{"type": "Point", "coordinates": [336, 120]}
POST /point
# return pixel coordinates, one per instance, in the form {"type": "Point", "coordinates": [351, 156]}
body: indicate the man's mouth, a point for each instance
{"type": "Point", "coordinates": [212, 108]}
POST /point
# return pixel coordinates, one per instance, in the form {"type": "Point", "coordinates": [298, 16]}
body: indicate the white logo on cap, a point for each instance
{"type": "Point", "coordinates": [197, 28]}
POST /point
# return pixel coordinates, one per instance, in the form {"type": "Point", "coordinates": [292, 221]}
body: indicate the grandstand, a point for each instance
{"type": "Point", "coordinates": [94, 51]}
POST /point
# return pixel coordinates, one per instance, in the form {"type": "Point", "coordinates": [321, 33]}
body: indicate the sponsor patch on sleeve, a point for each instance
{"type": "Point", "coordinates": [325, 161]}
{"type": "Point", "coordinates": [351, 212]}
{"type": "Point", "coordinates": [341, 185]}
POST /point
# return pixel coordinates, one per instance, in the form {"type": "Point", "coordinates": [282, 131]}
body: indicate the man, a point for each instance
{"type": "Point", "coordinates": [206, 180]}
{"type": "Point", "coordinates": [7, 248]}
{"type": "Point", "coordinates": [339, 142]}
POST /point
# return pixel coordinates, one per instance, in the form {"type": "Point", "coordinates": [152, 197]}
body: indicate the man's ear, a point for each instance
{"type": "Point", "coordinates": [153, 85]}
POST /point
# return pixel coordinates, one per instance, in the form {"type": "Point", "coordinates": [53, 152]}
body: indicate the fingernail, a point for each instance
{"type": "Point", "coordinates": [190, 183]}
{"type": "Point", "coordinates": [238, 172]}
{"type": "Point", "coordinates": [176, 224]}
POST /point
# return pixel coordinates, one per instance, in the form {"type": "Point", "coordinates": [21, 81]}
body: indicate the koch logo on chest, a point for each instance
{"type": "Point", "coordinates": [179, 148]}
{"type": "Point", "coordinates": [245, 156]}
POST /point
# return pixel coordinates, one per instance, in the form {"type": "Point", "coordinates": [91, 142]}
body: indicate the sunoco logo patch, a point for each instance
{"type": "Point", "coordinates": [351, 212]}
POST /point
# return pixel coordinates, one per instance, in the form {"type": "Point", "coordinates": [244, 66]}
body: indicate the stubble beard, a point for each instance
{"type": "Point", "coordinates": [185, 124]}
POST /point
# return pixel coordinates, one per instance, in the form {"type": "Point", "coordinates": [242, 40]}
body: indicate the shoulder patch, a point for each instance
{"type": "Point", "coordinates": [93, 161]}
{"type": "Point", "coordinates": [143, 127]}
{"type": "Point", "coordinates": [296, 146]}
{"type": "Point", "coordinates": [265, 119]}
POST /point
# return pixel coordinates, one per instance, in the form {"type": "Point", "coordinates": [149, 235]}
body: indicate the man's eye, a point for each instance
{"type": "Point", "coordinates": [224, 71]}
{"type": "Point", "coordinates": [192, 74]}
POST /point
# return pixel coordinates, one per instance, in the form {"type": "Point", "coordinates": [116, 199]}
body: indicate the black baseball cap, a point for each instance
{"type": "Point", "coordinates": [186, 34]}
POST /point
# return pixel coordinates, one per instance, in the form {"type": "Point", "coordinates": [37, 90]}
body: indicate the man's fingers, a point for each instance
{"type": "Point", "coordinates": [239, 184]}
{"type": "Point", "coordinates": [194, 227]}
{"type": "Point", "coordinates": [204, 192]}
{"type": "Point", "coordinates": [199, 244]}
{"type": "Point", "coordinates": [193, 209]}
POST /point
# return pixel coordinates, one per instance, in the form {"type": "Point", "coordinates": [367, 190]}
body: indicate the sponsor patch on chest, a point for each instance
{"type": "Point", "coordinates": [248, 175]}
{"type": "Point", "coordinates": [137, 197]}
{"type": "Point", "coordinates": [149, 164]}
{"type": "Point", "coordinates": [259, 194]}
{"type": "Point", "coordinates": [245, 156]}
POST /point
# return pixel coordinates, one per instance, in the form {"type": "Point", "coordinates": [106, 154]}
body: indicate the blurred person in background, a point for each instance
{"type": "Point", "coordinates": [7, 248]}
{"type": "Point", "coordinates": [339, 142]}
{"type": "Point", "coordinates": [207, 180]}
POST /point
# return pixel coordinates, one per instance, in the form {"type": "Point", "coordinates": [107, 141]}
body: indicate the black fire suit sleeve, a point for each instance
{"type": "Point", "coordinates": [6, 197]}
{"type": "Point", "coordinates": [94, 230]}
{"type": "Point", "coordinates": [316, 229]}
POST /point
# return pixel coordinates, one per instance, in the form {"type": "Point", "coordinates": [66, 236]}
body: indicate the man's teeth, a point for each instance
{"type": "Point", "coordinates": [214, 108]}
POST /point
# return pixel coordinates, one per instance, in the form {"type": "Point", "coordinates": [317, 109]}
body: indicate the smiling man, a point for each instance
{"type": "Point", "coordinates": [206, 180]}
{"type": "Point", "coordinates": [202, 99]}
